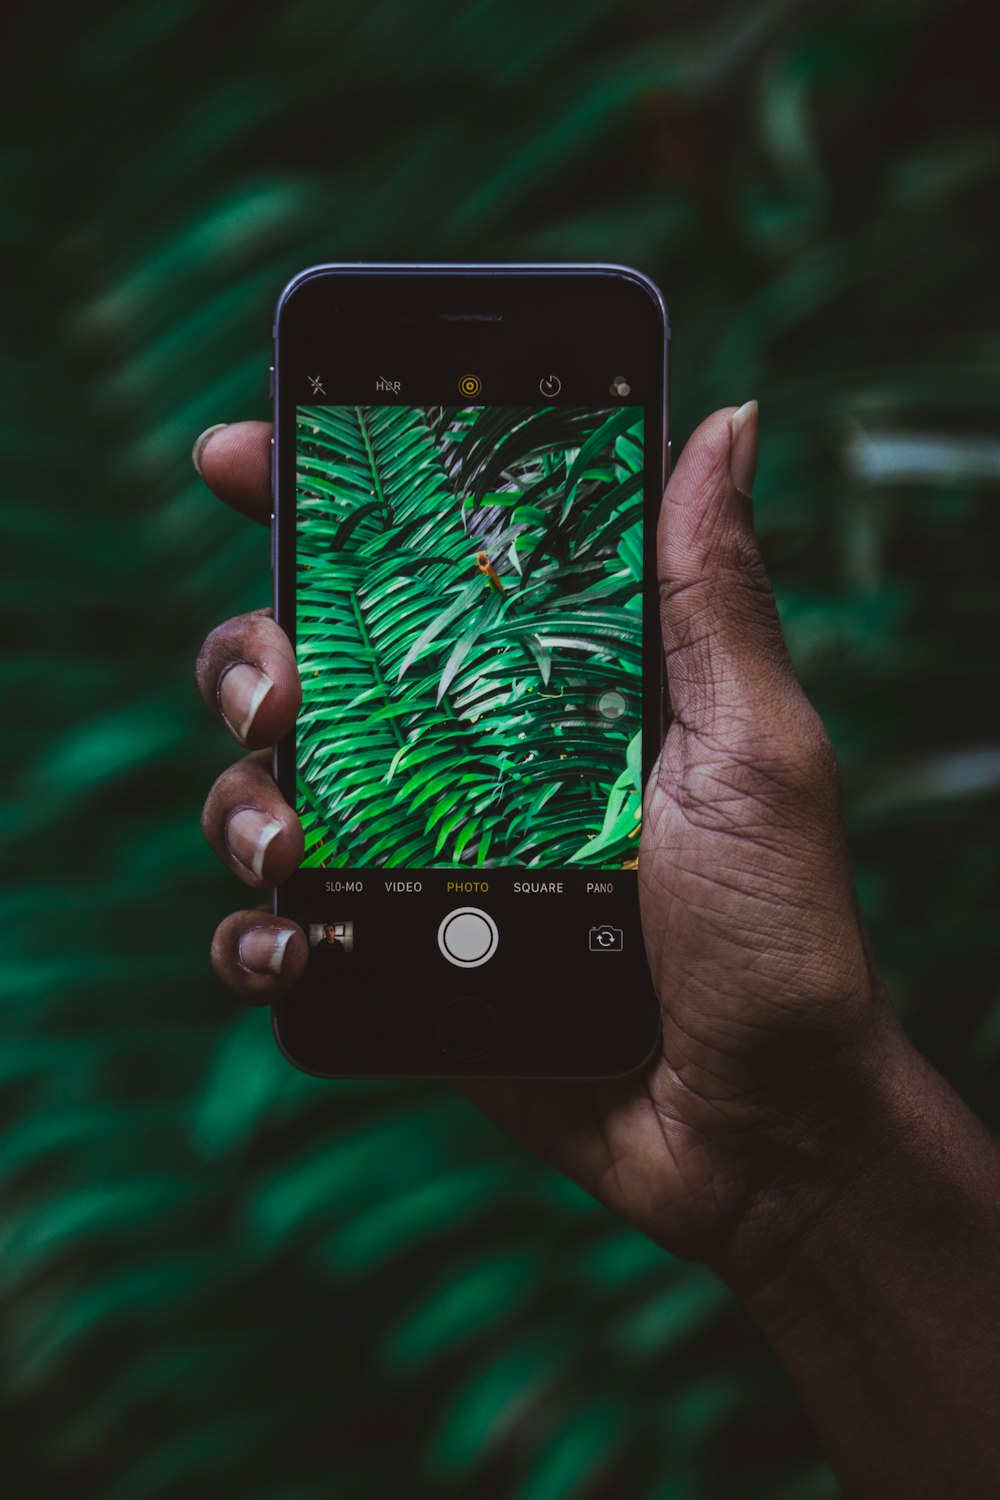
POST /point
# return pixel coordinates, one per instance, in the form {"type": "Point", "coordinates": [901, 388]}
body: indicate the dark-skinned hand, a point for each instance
{"type": "Point", "coordinates": [775, 1026]}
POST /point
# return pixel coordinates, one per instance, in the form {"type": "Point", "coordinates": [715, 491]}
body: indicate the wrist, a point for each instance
{"type": "Point", "coordinates": [836, 1160]}
{"type": "Point", "coordinates": [900, 1168]}
{"type": "Point", "coordinates": [871, 1268]}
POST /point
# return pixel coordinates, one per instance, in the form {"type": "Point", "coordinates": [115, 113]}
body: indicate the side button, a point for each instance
{"type": "Point", "coordinates": [270, 382]}
{"type": "Point", "coordinates": [466, 1029]}
{"type": "Point", "coordinates": [274, 530]}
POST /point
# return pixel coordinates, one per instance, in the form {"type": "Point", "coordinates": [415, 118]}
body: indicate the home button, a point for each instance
{"type": "Point", "coordinates": [466, 1029]}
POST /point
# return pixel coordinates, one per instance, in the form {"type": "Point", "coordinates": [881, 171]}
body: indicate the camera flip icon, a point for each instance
{"type": "Point", "coordinates": [605, 939]}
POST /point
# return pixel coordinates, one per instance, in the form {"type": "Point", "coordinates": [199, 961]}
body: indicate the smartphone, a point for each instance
{"type": "Point", "coordinates": [467, 470]}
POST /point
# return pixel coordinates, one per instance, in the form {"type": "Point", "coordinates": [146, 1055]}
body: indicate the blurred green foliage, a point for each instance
{"type": "Point", "coordinates": [218, 1277]}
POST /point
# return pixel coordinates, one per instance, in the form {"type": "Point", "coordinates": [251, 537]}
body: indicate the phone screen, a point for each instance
{"type": "Point", "coordinates": [469, 636]}
{"type": "Point", "coordinates": [468, 483]}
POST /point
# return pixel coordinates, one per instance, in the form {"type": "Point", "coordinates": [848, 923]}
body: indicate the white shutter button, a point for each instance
{"type": "Point", "coordinates": [468, 937]}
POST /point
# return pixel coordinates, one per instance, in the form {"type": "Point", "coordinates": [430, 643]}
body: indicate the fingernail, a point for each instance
{"type": "Point", "coordinates": [248, 834]}
{"type": "Point", "coordinates": [262, 949]}
{"type": "Point", "coordinates": [242, 689]}
{"type": "Point", "coordinates": [743, 448]}
{"type": "Point", "coordinates": [202, 443]}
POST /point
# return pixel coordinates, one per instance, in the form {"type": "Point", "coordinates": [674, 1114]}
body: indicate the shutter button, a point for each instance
{"type": "Point", "coordinates": [468, 937]}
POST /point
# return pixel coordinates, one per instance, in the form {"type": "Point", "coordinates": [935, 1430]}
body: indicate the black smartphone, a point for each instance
{"type": "Point", "coordinates": [467, 470]}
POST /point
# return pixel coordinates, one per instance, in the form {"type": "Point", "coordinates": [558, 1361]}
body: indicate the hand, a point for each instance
{"type": "Point", "coordinates": [776, 1032]}
{"type": "Point", "coordinates": [786, 1134]}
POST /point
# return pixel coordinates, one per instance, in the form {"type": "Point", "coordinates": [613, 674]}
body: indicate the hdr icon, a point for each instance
{"type": "Point", "coordinates": [382, 384]}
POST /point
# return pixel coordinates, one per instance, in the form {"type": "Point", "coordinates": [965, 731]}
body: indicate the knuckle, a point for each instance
{"type": "Point", "coordinates": [223, 944]}
{"type": "Point", "coordinates": [236, 784]}
{"type": "Point", "coordinates": [216, 646]}
{"type": "Point", "coordinates": [723, 613]}
{"type": "Point", "coordinates": [239, 639]}
{"type": "Point", "coordinates": [743, 559]}
{"type": "Point", "coordinates": [799, 753]}
{"type": "Point", "coordinates": [810, 750]}
{"type": "Point", "coordinates": [726, 557]}
{"type": "Point", "coordinates": [225, 789]}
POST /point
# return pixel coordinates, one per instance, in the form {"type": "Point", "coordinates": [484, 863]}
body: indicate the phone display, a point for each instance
{"type": "Point", "coordinates": [468, 464]}
{"type": "Point", "coordinates": [469, 636]}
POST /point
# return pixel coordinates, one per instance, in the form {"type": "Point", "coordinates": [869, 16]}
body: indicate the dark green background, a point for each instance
{"type": "Point", "coordinates": [221, 1278]}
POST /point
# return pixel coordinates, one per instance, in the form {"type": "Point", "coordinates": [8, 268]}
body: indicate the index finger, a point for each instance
{"type": "Point", "coordinates": [234, 459]}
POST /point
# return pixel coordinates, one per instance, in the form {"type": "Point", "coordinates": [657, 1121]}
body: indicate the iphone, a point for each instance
{"type": "Point", "coordinates": [467, 470]}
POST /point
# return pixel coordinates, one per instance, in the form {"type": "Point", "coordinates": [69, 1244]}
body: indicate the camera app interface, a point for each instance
{"type": "Point", "coordinates": [468, 622]}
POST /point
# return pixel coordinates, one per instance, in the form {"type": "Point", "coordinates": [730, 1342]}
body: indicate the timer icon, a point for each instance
{"type": "Point", "coordinates": [550, 385]}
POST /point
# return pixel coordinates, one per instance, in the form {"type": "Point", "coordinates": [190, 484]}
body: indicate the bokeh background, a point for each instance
{"type": "Point", "coordinates": [217, 1277]}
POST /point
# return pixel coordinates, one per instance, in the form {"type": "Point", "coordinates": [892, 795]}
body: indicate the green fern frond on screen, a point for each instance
{"type": "Point", "coordinates": [468, 593]}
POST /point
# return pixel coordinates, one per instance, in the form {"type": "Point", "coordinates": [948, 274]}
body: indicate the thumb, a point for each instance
{"type": "Point", "coordinates": [726, 657]}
